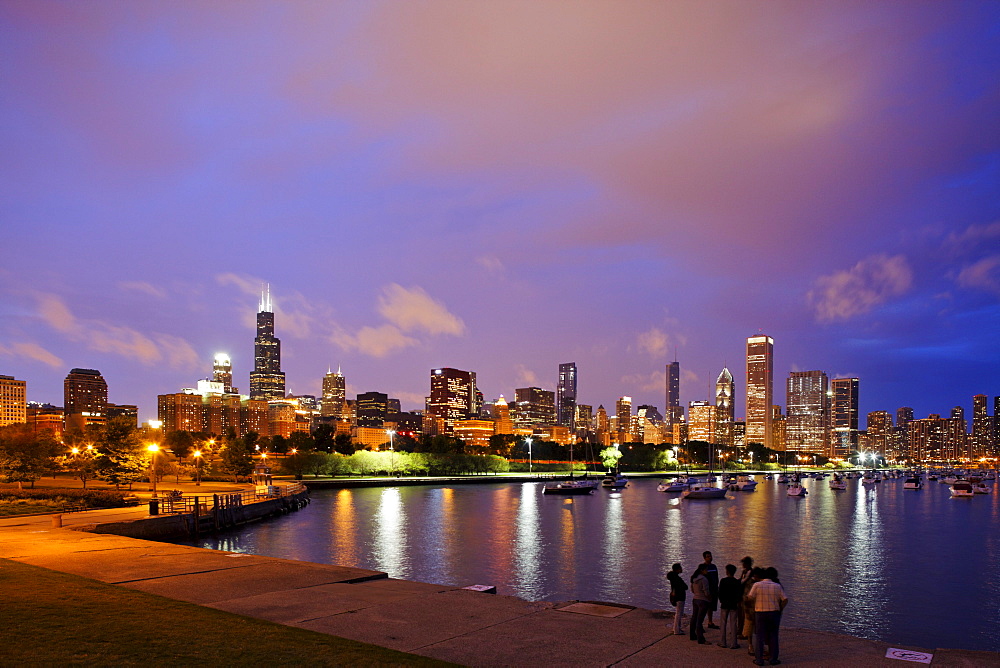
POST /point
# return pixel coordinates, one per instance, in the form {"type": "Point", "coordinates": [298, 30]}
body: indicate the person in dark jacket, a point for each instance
{"type": "Point", "coordinates": [701, 599]}
{"type": "Point", "coordinates": [730, 602]}
{"type": "Point", "coordinates": [678, 593]}
{"type": "Point", "coordinates": [712, 574]}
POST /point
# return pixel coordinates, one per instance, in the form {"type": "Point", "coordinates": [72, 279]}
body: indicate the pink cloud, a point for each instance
{"type": "Point", "coordinates": [861, 288]}
{"type": "Point", "coordinates": [31, 351]}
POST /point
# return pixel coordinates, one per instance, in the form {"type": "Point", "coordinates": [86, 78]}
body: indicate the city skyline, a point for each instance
{"type": "Point", "coordinates": [507, 200]}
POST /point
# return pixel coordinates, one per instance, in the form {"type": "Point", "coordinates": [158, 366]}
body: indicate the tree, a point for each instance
{"type": "Point", "coordinates": [180, 442]}
{"type": "Point", "coordinates": [24, 455]}
{"type": "Point", "coordinates": [237, 457]}
{"type": "Point", "coordinates": [323, 437]}
{"type": "Point", "coordinates": [342, 443]}
{"type": "Point", "coordinates": [302, 441]}
{"type": "Point", "coordinates": [122, 458]}
{"type": "Point", "coordinates": [609, 457]}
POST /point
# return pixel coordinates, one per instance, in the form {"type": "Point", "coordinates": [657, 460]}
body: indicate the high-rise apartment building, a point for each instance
{"type": "Point", "coordinates": [623, 419]}
{"type": "Point", "coordinates": [566, 394]}
{"type": "Point", "coordinates": [724, 389]}
{"type": "Point", "coordinates": [954, 442]}
{"type": "Point", "coordinates": [85, 398]}
{"type": "Point", "coordinates": [760, 389]}
{"type": "Point", "coordinates": [534, 408]}
{"type": "Point", "coordinates": [904, 416]}
{"type": "Point", "coordinates": [779, 429]}
{"type": "Point", "coordinates": [982, 427]}
{"type": "Point", "coordinates": [673, 411]}
{"type": "Point", "coordinates": [13, 401]}
{"type": "Point", "coordinates": [879, 428]}
{"type": "Point", "coordinates": [925, 438]}
{"type": "Point", "coordinates": [222, 372]}
{"type": "Point", "coordinates": [808, 411]}
{"type": "Point", "coordinates": [453, 397]}
{"type": "Point", "coordinates": [267, 381]}
{"type": "Point", "coordinates": [702, 421]}
{"type": "Point", "coordinates": [602, 425]}
{"type": "Point", "coordinates": [334, 401]}
{"type": "Point", "coordinates": [584, 419]}
{"type": "Point", "coordinates": [844, 427]}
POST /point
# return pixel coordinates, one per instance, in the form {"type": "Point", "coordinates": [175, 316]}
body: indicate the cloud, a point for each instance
{"type": "Point", "coordinates": [526, 376]}
{"type": "Point", "coordinates": [115, 339]}
{"type": "Point", "coordinates": [973, 236]}
{"type": "Point", "coordinates": [983, 275]}
{"type": "Point", "coordinates": [861, 288]}
{"type": "Point", "coordinates": [375, 341]}
{"type": "Point", "coordinates": [294, 314]}
{"type": "Point", "coordinates": [657, 380]}
{"type": "Point", "coordinates": [144, 287]}
{"type": "Point", "coordinates": [490, 263]}
{"type": "Point", "coordinates": [31, 351]}
{"type": "Point", "coordinates": [653, 342]}
{"type": "Point", "coordinates": [413, 309]}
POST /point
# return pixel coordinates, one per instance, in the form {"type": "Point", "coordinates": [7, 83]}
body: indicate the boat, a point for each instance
{"type": "Point", "coordinates": [614, 481]}
{"type": "Point", "coordinates": [674, 486]}
{"type": "Point", "coordinates": [570, 487]}
{"type": "Point", "coordinates": [768, 476]}
{"type": "Point", "coordinates": [912, 483]}
{"type": "Point", "coordinates": [836, 482]}
{"type": "Point", "coordinates": [743, 483]}
{"type": "Point", "coordinates": [700, 490]}
{"type": "Point", "coordinates": [932, 476]}
{"type": "Point", "coordinates": [962, 490]}
{"type": "Point", "coordinates": [950, 479]}
{"type": "Point", "coordinates": [991, 475]}
{"type": "Point", "coordinates": [782, 479]}
{"type": "Point", "coordinates": [868, 480]}
{"type": "Point", "coordinates": [795, 488]}
{"type": "Point", "coordinates": [981, 488]}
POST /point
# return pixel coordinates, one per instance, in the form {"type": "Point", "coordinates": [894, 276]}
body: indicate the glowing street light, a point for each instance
{"type": "Point", "coordinates": [528, 441]}
{"type": "Point", "coordinates": [392, 451]}
{"type": "Point", "coordinates": [197, 466]}
{"type": "Point", "coordinates": [153, 449]}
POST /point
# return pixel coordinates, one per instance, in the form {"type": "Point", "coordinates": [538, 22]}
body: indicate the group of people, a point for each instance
{"type": "Point", "coordinates": [749, 605]}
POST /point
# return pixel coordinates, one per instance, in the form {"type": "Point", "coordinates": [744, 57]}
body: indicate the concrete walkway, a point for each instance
{"type": "Point", "coordinates": [438, 621]}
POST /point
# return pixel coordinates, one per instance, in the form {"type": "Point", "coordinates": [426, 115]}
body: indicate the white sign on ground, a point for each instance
{"type": "Point", "coordinates": [908, 655]}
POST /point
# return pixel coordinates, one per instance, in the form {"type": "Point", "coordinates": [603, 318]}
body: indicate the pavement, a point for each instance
{"type": "Point", "coordinates": [443, 622]}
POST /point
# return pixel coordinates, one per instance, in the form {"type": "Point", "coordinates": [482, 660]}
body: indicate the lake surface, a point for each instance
{"type": "Point", "coordinates": [903, 566]}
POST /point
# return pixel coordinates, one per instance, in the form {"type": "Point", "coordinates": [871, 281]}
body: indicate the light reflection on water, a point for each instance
{"type": "Point", "coordinates": [880, 563]}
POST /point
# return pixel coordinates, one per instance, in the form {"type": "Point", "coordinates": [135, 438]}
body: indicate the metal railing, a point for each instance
{"type": "Point", "coordinates": [177, 502]}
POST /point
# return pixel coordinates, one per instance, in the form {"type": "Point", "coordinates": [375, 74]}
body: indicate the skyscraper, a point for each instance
{"type": "Point", "coordinates": [534, 408]}
{"type": "Point", "coordinates": [222, 372]}
{"type": "Point", "coordinates": [904, 416]}
{"type": "Point", "coordinates": [672, 411]}
{"type": "Point", "coordinates": [724, 389]}
{"type": "Point", "coordinates": [334, 395]}
{"type": "Point", "coordinates": [982, 427]}
{"type": "Point", "coordinates": [808, 411]}
{"type": "Point", "coordinates": [85, 398]}
{"type": "Point", "coordinates": [880, 434]}
{"type": "Point", "coordinates": [844, 418]}
{"type": "Point", "coordinates": [13, 401]}
{"type": "Point", "coordinates": [702, 421]}
{"type": "Point", "coordinates": [453, 397]}
{"type": "Point", "coordinates": [623, 419]}
{"type": "Point", "coordinates": [760, 389]}
{"type": "Point", "coordinates": [372, 409]}
{"type": "Point", "coordinates": [267, 381]}
{"type": "Point", "coordinates": [566, 394]}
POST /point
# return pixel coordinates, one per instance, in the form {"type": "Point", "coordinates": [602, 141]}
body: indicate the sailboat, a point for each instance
{"type": "Point", "coordinates": [571, 486]}
{"type": "Point", "coordinates": [705, 490]}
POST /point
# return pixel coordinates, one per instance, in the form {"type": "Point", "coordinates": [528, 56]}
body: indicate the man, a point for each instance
{"type": "Point", "coordinates": [730, 600]}
{"type": "Point", "coordinates": [768, 598]}
{"type": "Point", "coordinates": [712, 574]}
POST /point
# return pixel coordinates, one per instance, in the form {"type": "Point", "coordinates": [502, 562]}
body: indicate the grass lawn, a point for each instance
{"type": "Point", "coordinates": [51, 618]}
{"type": "Point", "coordinates": [29, 507]}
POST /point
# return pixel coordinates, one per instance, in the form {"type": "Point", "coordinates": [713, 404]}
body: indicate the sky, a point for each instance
{"type": "Point", "coordinates": [502, 187]}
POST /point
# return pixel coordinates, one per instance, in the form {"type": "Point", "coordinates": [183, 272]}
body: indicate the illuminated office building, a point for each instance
{"type": "Point", "coordinates": [673, 412]}
{"type": "Point", "coordinates": [844, 423]}
{"type": "Point", "coordinates": [808, 411]}
{"type": "Point", "coordinates": [982, 427]}
{"type": "Point", "coordinates": [724, 390]}
{"type": "Point", "coordinates": [13, 401]}
{"type": "Point", "coordinates": [702, 421]}
{"type": "Point", "coordinates": [623, 419]}
{"type": "Point", "coordinates": [760, 389]}
{"type": "Point", "coordinates": [267, 381]}
{"type": "Point", "coordinates": [880, 434]}
{"type": "Point", "coordinates": [534, 408]}
{"type": "Point", "coordinates": [334, 395]}
{"type": "Point", "coordinates": [85, 398]}
{"type": "Point", "coordinates": [222, 372]}
{"type": "Point", "coordinates": [566, 394]}
{"type": "Point", "coordinates": [502, 424]}
{"type": "Point", "coordinates": [372, 409]}
{"type": "Point", "coordinates": [453, 397]}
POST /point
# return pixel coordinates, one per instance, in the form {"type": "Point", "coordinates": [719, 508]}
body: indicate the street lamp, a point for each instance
{"type": "Point", "coordinates": [153, 449]}
{"type": "Point", "coordinates": [392, 451]}
{"type": "Point", "coordinates": [197, 466]}
{"type": "Point", "coordinates": [528, 441]}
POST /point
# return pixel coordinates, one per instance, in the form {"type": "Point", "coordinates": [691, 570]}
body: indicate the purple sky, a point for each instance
{"type": "Point", "coordinates": [503, 186]}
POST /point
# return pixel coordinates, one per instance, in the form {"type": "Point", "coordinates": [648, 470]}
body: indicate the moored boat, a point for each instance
{"type": "Point", "coordinates": [704, 491]}
{"type": "Point", "coordinates": [981, 488]}
{"type": "Point", "coordinates": [671, 486]}
{"type": "Point", "coordinates": [614, 481]}
{"type": "Point", "coordinates": [913, 483]}
{"type": "Point", "coordinates": [570, 487]}
{"type": "Point", "coordinates": [962, 490]}
{"type": "Point", "coordinates": [836, 482]}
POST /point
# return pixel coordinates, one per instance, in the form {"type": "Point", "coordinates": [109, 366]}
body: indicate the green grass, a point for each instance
{"type": "Point", "coordinates": [51, 618]}
{"type": "Point", "coordinates": [29, 507]}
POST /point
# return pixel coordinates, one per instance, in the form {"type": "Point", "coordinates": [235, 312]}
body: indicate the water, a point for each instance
{"type": "Point", "coordinates": [908, 567]}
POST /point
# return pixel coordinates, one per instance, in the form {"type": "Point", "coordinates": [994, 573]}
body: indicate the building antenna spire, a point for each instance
{"type": "Point", "coordinates": [265, 299]}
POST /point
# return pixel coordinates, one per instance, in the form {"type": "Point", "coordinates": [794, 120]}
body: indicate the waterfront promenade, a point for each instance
{"type": "Point", "coordinates": [438, 621]}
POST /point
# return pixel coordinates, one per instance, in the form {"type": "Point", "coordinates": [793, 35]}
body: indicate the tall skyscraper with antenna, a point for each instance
{"type": "Point", "coordinates": [566, 395]}
{"type": "Point", "coordinates": [267, 381]}
{"type": "Point", "coordinates": [673, 412]}
{"type": "Point", "coordinates": [334, 394]}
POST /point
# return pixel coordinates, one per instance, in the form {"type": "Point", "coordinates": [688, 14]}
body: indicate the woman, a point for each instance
{"type": "Point", "coordinates": [678, 593]}
{"type": "Point", "coordinates": [701, 600]}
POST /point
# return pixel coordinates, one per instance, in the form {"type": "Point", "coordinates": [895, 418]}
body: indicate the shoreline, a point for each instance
{"type": "Point", "coordinates": [300, 593]}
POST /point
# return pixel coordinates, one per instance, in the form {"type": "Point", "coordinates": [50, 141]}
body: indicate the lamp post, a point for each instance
{"type": "Point", "coordinates": [153, 449]}
{"type": "Point", "coordinates": [528, 441]}
{"type": "Point", "coordinates": [197, 466]}
{"type": "Point", "coordinates": [392, 451]}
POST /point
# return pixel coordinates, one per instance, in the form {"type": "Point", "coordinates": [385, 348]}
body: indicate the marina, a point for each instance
{"type": "Point", "coordinates": [869, 561]}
